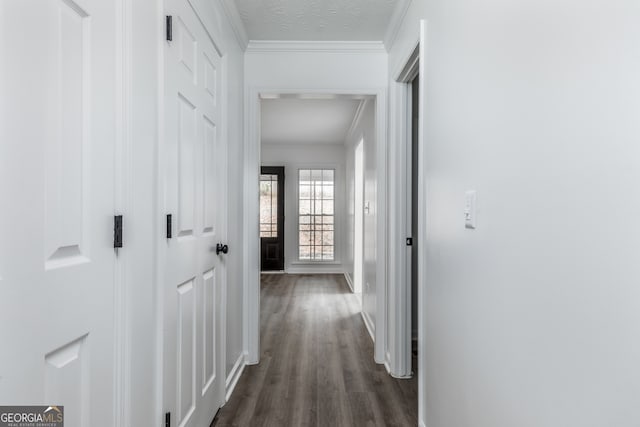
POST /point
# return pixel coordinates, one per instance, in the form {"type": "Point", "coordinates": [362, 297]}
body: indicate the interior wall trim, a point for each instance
{"type": "Point", "coordinates": [234, 375]}
{"type": "Point", "coordinates": [349, 281]}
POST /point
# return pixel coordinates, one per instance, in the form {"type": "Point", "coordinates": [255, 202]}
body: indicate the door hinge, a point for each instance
{"type": "Point", "coordinates": [169, 226]}
{"type": "Point", "coordinates": [167, 419]}
{"type": "Point", "coordinates": [117, 231]}
{"type": "Point", "coordinates": [169, 27]}
{"type": "Point", "coordinates": [409, 241]}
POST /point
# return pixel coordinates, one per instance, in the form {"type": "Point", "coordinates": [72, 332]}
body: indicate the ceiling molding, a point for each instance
{"type": "Point", "coordinates": [396, 22]}
{"type": "Point", "coordinates": [259, 46]}
{"type": "Point", "coordinates": [231, 11]}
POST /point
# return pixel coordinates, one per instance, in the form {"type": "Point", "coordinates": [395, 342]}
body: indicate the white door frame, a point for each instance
{"type": "Point", "coordinates": [251, 294]}
{"type": "Point", "coordinates": [123, 204]}
{"type": "Point", "coordinates": [414, 63]}
{"type": "Point", "coordinates": [400, 291]}
{"type": "Point", "coordinates": [400, 219]}
{"type": "Point", "coordinates": [358, 229]}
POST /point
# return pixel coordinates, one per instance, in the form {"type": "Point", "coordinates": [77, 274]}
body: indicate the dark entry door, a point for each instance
{"type": "Point", "coordinates": [272, 218]}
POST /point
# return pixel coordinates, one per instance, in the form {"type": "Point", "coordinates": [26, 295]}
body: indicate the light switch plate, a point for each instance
{"type": "Point", "coordinates": [470, 209]}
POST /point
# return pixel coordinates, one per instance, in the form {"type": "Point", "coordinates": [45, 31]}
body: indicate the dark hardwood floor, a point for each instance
{"type": "Point", "coordinates": [317, 366]}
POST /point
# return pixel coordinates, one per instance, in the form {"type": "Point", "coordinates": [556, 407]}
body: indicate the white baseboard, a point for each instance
{"type": "Point", "coordinates": [369, 324]}
{"type": "Point", "coordinates": [349, 282]}
{"type": "Point", "coordinates": [234, 375]}
{"type": "Point", "coordinates": [312, 270]}
{"type": "Point", "coordinates": [387, 365]}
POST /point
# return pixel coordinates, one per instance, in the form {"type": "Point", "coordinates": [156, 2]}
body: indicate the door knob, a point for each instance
{"type": "Point", "coordinates": [221, 248]}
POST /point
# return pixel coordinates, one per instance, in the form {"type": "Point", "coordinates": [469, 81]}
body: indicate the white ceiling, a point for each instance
{"type": "Point", "coordinates": [317, 20]}
{"type": "Point", "coordinates": [306, 121]}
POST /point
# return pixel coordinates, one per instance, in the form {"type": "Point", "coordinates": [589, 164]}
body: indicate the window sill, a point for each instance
{"type": "Point", "coordinates": [316, 263]}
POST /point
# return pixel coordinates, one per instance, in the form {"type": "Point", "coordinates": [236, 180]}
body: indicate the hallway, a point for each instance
{"type": "Point", "coordinates": [317, 366]}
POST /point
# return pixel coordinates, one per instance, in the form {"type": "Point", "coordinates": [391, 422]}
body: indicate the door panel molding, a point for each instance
{"type": "Point", "coordinates": [193, 175]}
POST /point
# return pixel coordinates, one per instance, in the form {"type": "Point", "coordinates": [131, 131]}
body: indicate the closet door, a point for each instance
{"type": "Point", "coordinates": [57, 260]}
{"type": "Point", "coordinates": [194, 170]}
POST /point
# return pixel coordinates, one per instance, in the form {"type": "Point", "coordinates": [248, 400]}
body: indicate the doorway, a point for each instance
{"type": "Point", "coordinates": [266, 146]}
{"type": "Point", "coordinates": [272, 218]}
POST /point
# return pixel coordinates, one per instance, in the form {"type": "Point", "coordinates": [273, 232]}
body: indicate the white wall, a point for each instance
{"type": "Point", "coordinates": [294, 157]}
{"type": "Point", "coordinates": [365, 130]}
{"type": "Point", "coordinates": [316, 70]}
{"type": "Point", "coordinates": [533, 319]}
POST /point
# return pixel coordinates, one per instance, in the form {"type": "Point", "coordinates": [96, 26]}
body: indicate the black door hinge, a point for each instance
{"type": "Point", "coordinates": [169, 226]}
{"type": "Point", "coordinates": [117, 231]}
{"type": "Point", "coordinates": [167, 419]}
{"type": "Point", "coordinates": [169, 27]}
{"type": "Point", "coordinates": [409, 241]}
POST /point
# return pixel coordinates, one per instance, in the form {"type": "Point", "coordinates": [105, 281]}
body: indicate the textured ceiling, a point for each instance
{"type": "Point", "coordinates": [306, 121]}
{"type": "Point", "coordinates": [321, 20]}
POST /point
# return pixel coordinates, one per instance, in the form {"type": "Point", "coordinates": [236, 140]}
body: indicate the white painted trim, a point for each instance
{"type": "Point", "coordinates": [234, 376]}
{"type": "Point", "coordinates": [400, 332]}
{"type": "Point", "coordinates": [349, 281]}
{"type": "Point", "coordinates": [250, 218]}
{"type": "Point", "coordinates": [382, 157]}
{"type": "Point", "coordinates": [125, 259]}
{"type": "Point", "coordinates": [356, 119]}
{"type": "Point", "coordinates": [315, 270]}
{"type": "Point", "coordinates": [315, 263]}
{"type": "Point", "coordinates": [261, 46]}
{"type": "Point", "coordinates": [232, 14]}
{"type": "Point", "coordinates": [160, 250]}
{"type": "Point", "coordinates": [421, 423]}
{"type": "Point", "coordinates": [369, 325]}
{"type": "Point", "coordinates": [422, 230]}
{"type": "Point", "coordinates": [386, 366]}
{"type": "Point", "coordinates": [224, 130]}
{"type": "Point", "coordinates": [397, 17]}
{"type": "Point", "coordinates": [409, 70]}
{"type": "Point", "coordinates": [274, 272]}
{"type": "Point", "coordinates": [252, 163]}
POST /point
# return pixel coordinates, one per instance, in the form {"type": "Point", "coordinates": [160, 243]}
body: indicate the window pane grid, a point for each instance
{"type": "Point", "coordinates": [268, 205]}
{"type": "Point", "coordinates": [316, 214]}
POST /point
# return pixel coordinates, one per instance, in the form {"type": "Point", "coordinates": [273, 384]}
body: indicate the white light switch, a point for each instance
{"type": "Point", "coordinates": [470, 209]}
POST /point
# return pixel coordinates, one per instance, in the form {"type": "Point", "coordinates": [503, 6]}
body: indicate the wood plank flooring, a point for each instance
{"type": "Point", "coordinates": [317, 366]}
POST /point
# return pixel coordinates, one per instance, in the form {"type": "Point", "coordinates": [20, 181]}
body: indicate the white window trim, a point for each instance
{"type": "Point", "coordinates": [337, 215]}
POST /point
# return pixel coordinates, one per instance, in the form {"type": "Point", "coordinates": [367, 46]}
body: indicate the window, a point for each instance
{"type": "Point", "coordinates": [268, 205]}
{"type": "Point", "coordinates": [316, 214]}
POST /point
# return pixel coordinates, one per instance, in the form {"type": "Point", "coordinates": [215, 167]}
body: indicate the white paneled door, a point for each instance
{"type": "Point", "coordinates": [57, 261]}
{"type": "Point", "coordinates": [194, 169]}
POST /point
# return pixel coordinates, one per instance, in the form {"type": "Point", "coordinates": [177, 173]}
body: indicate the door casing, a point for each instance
{"type": "Point", "coordinates": [251, 255]}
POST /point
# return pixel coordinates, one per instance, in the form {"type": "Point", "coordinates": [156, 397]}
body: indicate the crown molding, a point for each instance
{"type": "Point", "coordinates": [231, 11]}
{"type": "Point", "coordinates": [259, 46]}
{"type": "Point", "coordinates": [396, 22]}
